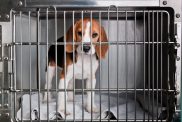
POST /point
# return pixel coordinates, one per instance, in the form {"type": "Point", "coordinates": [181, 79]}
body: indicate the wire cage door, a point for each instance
{"type": "Point", "coordinates": [134, 82]}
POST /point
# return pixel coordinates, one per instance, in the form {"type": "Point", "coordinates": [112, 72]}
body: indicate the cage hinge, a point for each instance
{"type": "Point", "coordinates": [4, 106]}
{"type": "Point", "coordinates": [5, 86]}
{"type": "Point", "coordinates": [6, 59]}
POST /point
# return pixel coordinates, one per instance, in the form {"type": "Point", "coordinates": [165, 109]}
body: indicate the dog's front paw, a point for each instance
{"type": "Point", "coordinates": [92, 109]}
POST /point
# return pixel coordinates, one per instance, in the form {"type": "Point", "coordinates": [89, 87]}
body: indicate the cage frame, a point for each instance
{"type": "Point", "coordinates": [21, 5]}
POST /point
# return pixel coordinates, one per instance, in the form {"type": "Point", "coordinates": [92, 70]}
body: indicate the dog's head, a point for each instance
{"type": "Point", "coordinates": [84, 34]}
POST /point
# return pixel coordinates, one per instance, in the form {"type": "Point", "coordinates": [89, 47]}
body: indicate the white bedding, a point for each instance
{"type": "Point", "coordinates": [105, 112]}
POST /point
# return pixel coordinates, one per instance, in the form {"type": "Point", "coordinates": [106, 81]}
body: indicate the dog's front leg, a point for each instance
{"type": "Point", "coordinates": [49, 75]}
{"type": "Point", "coordinates": [62, 95]}
{"type": "Point", "coordinates": [90, 105]}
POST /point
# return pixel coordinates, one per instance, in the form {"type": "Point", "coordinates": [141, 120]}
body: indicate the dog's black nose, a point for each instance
{"type": "Point", "coordinates": [86, 48]}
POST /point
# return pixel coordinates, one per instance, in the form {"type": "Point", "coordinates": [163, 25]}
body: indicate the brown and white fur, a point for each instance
{"type": "Point", "coordinates": [88, 53]}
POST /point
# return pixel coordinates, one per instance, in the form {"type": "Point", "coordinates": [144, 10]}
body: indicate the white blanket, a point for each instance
{"type": "Point", "coordinates": [34, 113]}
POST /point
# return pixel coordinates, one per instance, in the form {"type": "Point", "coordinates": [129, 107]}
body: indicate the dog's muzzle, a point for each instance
{"type": "Point", "coordinates": [86, 48]}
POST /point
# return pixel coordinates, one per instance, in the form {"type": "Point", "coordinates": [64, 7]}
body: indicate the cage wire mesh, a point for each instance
{"type": "Point", "coordinates": [135, 82]}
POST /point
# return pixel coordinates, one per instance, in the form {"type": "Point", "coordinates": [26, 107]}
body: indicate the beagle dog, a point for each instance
{"type": "Point", "coordinates": [88, 54]}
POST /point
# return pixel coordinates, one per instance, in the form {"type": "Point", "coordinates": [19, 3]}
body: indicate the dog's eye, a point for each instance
{"type": "Point", "coordinates": [79, 33]}
{"type": "Point", "coordinates": [94, 35]}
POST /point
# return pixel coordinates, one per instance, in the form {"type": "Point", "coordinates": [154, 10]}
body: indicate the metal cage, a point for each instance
{"type": "Point", "coordinates": [139, 80]}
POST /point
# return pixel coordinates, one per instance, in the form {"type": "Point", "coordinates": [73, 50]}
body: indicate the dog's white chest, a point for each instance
{"type": "Point", "coordinates": [85, 66]}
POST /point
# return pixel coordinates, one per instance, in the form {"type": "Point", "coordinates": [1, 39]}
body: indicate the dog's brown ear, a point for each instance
{"type": "Point", "coordinates": [70, 38]}
{"type": "Point", "coordinates": [102, 49]}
